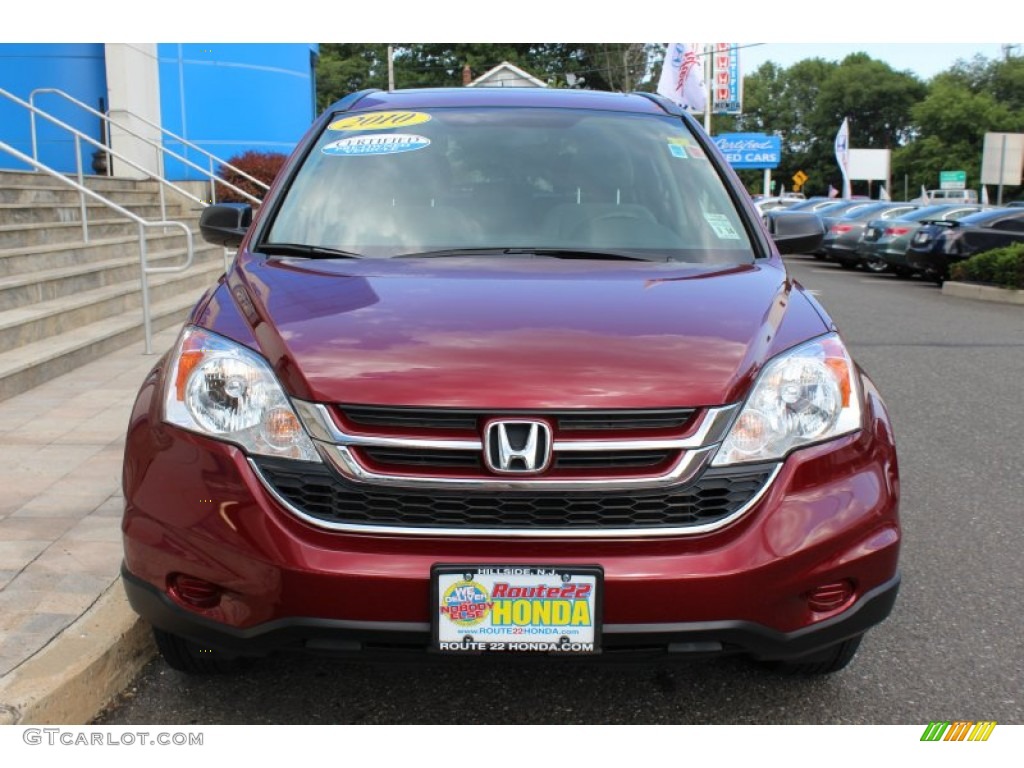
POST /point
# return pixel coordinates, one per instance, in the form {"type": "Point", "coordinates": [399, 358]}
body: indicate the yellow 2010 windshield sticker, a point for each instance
{"type": "Point", "coordinates": [378, 121]}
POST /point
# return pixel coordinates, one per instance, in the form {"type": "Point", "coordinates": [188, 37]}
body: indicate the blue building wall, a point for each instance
{"type": "Point", "coordinates": [232, 97]}
{"type": "Point", "coordinates": [227, 98]}
{"type": "Point", "coordinates": [77, 68]}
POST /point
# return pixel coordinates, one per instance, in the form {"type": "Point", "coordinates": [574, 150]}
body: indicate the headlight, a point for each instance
{"type": "Point", "coordinates": [806, 395]}
{"type": "Point", "coordinates": [223, 390]}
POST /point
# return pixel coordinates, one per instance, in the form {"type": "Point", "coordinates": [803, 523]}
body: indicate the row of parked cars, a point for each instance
{"type": "Point", "coordinates": [909, 238]}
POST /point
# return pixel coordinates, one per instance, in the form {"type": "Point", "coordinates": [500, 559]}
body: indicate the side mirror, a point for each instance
{"type": "Point", "coordinates": [225, 223]}
{"type": "Point", "coordinates": [796, 232]}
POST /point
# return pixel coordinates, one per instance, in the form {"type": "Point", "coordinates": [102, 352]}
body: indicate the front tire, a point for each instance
{"type": "Point", "coordinates": [824, 662]}
{"type": "Point", "coordinates": [190, 657]}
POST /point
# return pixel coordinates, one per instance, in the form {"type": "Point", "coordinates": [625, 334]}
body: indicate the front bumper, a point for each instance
{"type": "Point", "coordinates": [368, 638]}
{"type": "Point", "coordinates": [194, 506]}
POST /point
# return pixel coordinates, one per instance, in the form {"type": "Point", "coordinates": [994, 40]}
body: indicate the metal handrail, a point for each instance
{"type": "Point", "coordinates": [151, 124]}
{"type": "Point", "coordinates": [78, 156]}
{"type": "Point", "coordinates": [142, 223]}
{"type": "Point", "coordinates": [214, 179]}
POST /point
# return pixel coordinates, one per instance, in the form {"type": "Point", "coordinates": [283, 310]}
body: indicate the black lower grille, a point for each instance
{"type": "Point", "coordinates": [318, 492]}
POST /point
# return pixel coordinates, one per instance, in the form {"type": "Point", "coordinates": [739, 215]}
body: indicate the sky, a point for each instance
{"type": "Point", "coordinates": [924, 59]}
{"type": "Point", "coordinates": [841, 26]}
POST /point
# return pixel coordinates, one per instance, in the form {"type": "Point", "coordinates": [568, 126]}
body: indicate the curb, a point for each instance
{"type": "Point", "coordinates": [982, 292]}
{"type": "Point", "coordinates": [71, 679]}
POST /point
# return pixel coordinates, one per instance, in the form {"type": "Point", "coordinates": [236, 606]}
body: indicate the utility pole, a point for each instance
{"type": "Point", "coordinates": [707, 86]}
{"type": "Point", "coordinates": [391, 67]}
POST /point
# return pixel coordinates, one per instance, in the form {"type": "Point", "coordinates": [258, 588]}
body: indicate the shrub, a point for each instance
{"type": "Point", "coordinates": [1003, 267]}
{"type": "Point", "coordinates": [260, 165]}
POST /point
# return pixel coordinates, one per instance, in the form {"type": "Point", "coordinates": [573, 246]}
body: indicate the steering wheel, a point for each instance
{"type": "Point", "coordinates": [583, 226]}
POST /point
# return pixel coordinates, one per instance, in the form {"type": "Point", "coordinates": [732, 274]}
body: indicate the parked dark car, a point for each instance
{"type": "Point", "coordinates": [509, 371]}
{"type": "Point", "coordinates": [842, 238]}
{"type": "Point", "coordinates": [883, 248]}
{"type": "Point", "coordinates": [821, 207]}
{"type": "Point", "coordinates": [814, 204]}
{"type": "Point", "coordinates": [939, 244]}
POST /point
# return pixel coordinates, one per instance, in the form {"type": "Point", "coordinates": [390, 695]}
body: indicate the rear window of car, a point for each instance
{"type": "Point", "coordinates": [938, 212]}
{"type": "Point", "coordinates": [384, 184]}
{"type": "Point", "coordinates": [988, 218]}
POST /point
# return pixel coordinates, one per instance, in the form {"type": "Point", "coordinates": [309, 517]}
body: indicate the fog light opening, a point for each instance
{"type": "Point", "coordinates": [829, 597]}
{"type": "Point", "coordinates": [196, 592]}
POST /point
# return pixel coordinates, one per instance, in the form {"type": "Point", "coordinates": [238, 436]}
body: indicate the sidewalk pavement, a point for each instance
{"type": "Point", "coordinates": [68, 639]}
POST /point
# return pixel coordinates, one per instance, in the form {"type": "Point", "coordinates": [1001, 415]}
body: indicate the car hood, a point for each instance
{"type": "Point", "coordinates": [512, 332]}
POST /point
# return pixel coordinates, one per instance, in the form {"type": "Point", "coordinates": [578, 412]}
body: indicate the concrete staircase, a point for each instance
{"type": "Point", "coordinates": [63, 301]}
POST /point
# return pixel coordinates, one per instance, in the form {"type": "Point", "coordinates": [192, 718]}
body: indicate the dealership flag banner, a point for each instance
{"type": "Point", "coordinates": [682, 77]}
{"type": "Point", "coordinates": [843, 155]}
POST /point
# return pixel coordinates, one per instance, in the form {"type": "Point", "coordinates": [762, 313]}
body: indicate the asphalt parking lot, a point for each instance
{"type": "Point", "coordinates": [951, 371]}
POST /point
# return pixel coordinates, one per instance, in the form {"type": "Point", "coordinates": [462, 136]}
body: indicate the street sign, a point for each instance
{"type": "Point", "coordinates": [952, 179]}
{"type": "Point", "coordinates": [1002, 160]}
{"type": "Point", "coordinates": [798, 180]}
{"type": "Point", "coordinates": [726, 83]}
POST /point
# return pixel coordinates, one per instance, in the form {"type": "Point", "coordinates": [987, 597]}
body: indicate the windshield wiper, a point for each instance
{"type": "Point", "coordinates": [556, 253]}
{"type": "Point", "coordinates": [309, 251]}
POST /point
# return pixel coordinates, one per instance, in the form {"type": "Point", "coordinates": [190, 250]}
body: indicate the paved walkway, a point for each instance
{"type": "Point", "coordinates": [61, 448]}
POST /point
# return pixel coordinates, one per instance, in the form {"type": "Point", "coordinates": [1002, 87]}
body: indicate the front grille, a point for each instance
{"type": "Point", "coordinates": [386, 419]}
{"type": "Point", "coordinates": [318, 492]}
{"type": "Point", "coordinates": [613, 459]}
{"type": "Point", "coordinates": [414, 457]}
{"type": "Point", "coordinates": [385, 458]}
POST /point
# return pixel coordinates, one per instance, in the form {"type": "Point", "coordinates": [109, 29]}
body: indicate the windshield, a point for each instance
{"type": "Point", "coordinates": [385, 184]}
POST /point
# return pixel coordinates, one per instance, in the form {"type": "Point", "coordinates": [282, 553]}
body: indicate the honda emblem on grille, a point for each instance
{"type": "Point", "coordinates": [517, 447]}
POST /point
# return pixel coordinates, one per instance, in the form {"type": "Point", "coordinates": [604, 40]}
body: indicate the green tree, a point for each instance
{"type": "Point", "coordinates": [782, 101]}
{"type": "Point", "coordinates": [950, 123]}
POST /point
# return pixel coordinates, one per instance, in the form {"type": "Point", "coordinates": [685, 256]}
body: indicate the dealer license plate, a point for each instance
{"type": "Point", "coordinates": [516, 609]}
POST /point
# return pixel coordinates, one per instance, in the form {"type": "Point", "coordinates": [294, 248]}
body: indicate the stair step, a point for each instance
{"type": "Point", "coordinates": [40, 179]}
{"type": "Point", "coordinates": [47, 319]}
{"type": "Point", "coordinates": [51, 233]}
{"type": "Point", "coordinates": [23, 261]}
{"type": "Point", "coordinates": [36, 363]}
{"type": "Point", "coordinates": [14, 213]}
{"type": "Point", "coordinates": [51, 284]}
{"type": "Point", "coordinates": [59, 193]}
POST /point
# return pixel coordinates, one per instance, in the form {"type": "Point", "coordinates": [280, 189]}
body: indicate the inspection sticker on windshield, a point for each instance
{"type": "Point", "coordinates": [376, 144]}
{"type": "Point", "coordinates": [677, 150]}
{"type": "Point", "coordinates": [723, 228]}
{"type": "Point", "coordinates": [378, 121]}
{"type": "Point", "coordinates": [516, 609]}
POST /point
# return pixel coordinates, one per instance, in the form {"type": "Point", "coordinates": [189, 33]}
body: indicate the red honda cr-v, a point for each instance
{"type": "Point", "coordinates": [509, 371]}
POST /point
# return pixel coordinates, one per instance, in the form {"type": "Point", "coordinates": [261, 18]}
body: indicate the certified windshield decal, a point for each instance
{"type": "Point", "coordinates": [377, 121]}
{"type": "Point", "coordinates": [723, 228]}
{"type": "Point", "coordinates": [376, 144]}
{"type": "Point", "coordinates": [677, 150]}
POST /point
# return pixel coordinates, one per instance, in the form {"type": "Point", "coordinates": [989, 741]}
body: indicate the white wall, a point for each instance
{"type": "Point", "coordinates": [133, 86]}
